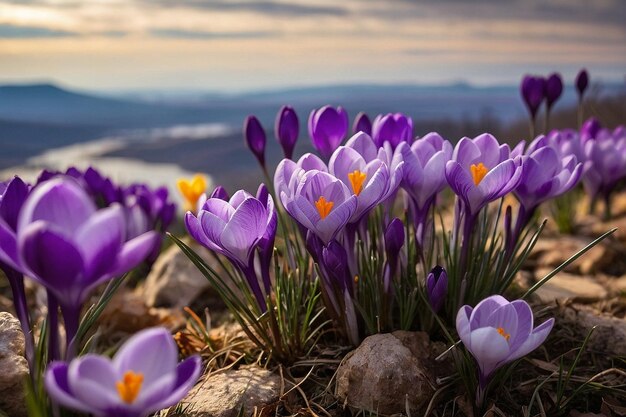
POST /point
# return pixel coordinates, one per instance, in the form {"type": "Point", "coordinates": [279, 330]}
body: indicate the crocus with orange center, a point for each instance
{"type": "Point", "coordinates": [143, 377]}
{"type": "Point", "coordinates": [192, 190]}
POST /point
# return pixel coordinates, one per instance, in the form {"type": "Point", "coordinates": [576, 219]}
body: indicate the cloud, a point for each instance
{"type": "Point", "coordinates": [8, 31]}
{"type": "Point", "coordinates": [192, 34]}
{"type": "Point", "coordinates": [267, 7]}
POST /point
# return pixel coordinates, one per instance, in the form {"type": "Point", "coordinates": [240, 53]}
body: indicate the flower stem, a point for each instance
{"type": "Point", "coordinates": [53, 327]}
{"type": "Point", "coordinates": [71, 317]}
{"type": "Point", "coordinates": [16, 281]}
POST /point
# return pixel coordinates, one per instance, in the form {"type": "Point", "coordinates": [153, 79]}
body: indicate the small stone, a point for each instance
{"type": "Point", "coordinates": [174, 280]}
{"type": "Point", "coordinates": [608, 338]}
{"type": "Point", "coordinates": [250, 388]}
{"type": "Point", "coordinates": [568, 286]}
{"type": "Point", "coordinates": [387, 373]}
{"type": "Point", "coordinates": [13, 366]}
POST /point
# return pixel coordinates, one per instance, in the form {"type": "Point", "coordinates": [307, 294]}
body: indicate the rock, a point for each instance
{"type": "Point", "coordinates": [552, 252]}
{"type": "Point", "coordinates": [568, 286]}
{"type": "Point", "coordinates": [224, 394]}
{"type": "Point", "coordinates": [608, 338]}
{"type": "Point", "coordinates": [387, 372]}
{"type": "Point", "coordinates": [13, 366]}
{"type": "Point", "coordinates": [174, 280]}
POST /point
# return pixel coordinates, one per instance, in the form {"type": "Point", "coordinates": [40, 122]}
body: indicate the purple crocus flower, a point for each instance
{"type": "Point", "coordinates": [321, 203]}
{"type": "Point", "coordinates": [481, 171]}
{"type": "Point", "coordinates": [582, 81]}
{"type": "Point", "coordinates": [424, 174]}
{"type": "Point", "coordinates": [554, 89]}
{"type": "Point", "coordinates": [392, 128]}
{"type": "Point", "coordinates": [287, 129]}
{"type": "Point", "coordinates": [497, 332]}
{"type": "Point", "coordinates": [533, 93]}
{"type": "Point", "coordinates": [437, 287]}
{"type": "Point", "coordinates": [255, 138]}
{"type": "Point", "coordinates": [69, 246]}
{"type": "Point", "coordinates": [327, 128]}
{"type": "Point", "coordinates": [362, 123]}
{"type": "Point", "coordinates": [607, 155]}
{"type": "Point", "coordinates": [590, 129]}
{"type": "Point", "coordinates": [368, 179]}
{"type": "Point", "coordinates": [144, 376]}
{"type": "Point", "coordinates": [545, 175]}
{"type": "Point", "coordinates": [235, 228]}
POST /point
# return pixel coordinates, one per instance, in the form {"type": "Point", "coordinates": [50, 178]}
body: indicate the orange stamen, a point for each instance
{"type": "Point", "coordinates": [503, 333]}
{"type": "Point", "coordinates": [357, 178]}
{"type": "Point", "coordinates": [323, 207]}
{"type": "Point", "coordinates": [478, 172]}
{"type": "Point", "coordinates": [129, 387]}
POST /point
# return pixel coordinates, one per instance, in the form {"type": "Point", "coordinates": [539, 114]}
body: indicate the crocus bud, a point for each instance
{"type": "Point", "coordinates": [328, 127]}
{"type": "Point", "coordinates": [590, 129]}
{"type": "Point", "coordinates": [220, 192]}
{"type": "Point", "coordinates": [362, 123]}
{"type": "Point", "coordinates": [392, 128]}
{"type": "Point", "coordinates": [287, 129]}
{"type": "Point", "coordinates": [394, 238]}
{"type": "Point", "coordinates": [255, 138]}
{"type": "Point", "coordinates": [335, 261]}
{"type": "Point", "coordinates": [554, 88]}
{"type": "Point", "coordinates": [533, 90]}
{"type": "Point", "coordinates": [582, 81]}
{"type": "Point", "coordinates": [437, 287]}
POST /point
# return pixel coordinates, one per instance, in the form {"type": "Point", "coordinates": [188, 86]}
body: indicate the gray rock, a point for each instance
{"type": "Point", "coordinates": [387, 373]}
{"type": "Point", "coordinates": [569, 286]}
{"type": "Point", "coordinates": [608, 338]}
{"type": "Point", "coordinates": [174, 280]}
{"type": "Point", "coordinates": [13, 366]}
{"type": "Point", "coordinates": [225, 394]}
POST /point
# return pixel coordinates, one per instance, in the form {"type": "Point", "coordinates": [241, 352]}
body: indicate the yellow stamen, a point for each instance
{"type": "Point", "coordinates": [129, 386]}
{"type": "Point", "coordinates": [356, 279]}
{"type": "Point", "coordinates": [503, 333]}
{"type": "Point", "coordinates": [357, 178]}
{"type": "Point", "coordinates": [192, 189]}
{"type": "Point", "coordinates": [324, 207]}
{"type": "Point", "coordinates": [478, 172]}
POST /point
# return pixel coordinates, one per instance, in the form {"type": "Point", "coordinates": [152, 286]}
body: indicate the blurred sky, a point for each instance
{"type": "Point", "coordinates": [235, 45]}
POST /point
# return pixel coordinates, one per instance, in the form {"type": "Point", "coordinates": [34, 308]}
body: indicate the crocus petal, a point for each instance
{"type": "Point", "coordinates": [535, 339]}
{"type": "Point", "coordinates": [187, 373]}
{"type": "Point", "coordinates": [489, 348]}
{"type": "Point", "coordinates": [53, 260]}
{"type": "Point", "coordinates": [327, 228]}
{"type": "Point", "coordinates": [482, 311]}
{"type": "Point", "coordinates": [194, 228]}
{"type": "Point", "coordinates": [100, 238]}
{"type": "Point", "coordinates": [524, 323]}
{"type": "Point", "coordinates": [84, 388]}
{"type": "Point", "coordinates": [244, 229]}
{"type": "Point", "coordinates": [133, 253]}
{"type": "Point", "coordinates": [60, 201]}
{"type": "Point", "coordinates": [8, 246]}
{"type": "Point", "coordinates": [57, 385]}
{"type": "Point", "coordinates": [12, 200]}
{"type": "Point", "coordinates": [151, 352]}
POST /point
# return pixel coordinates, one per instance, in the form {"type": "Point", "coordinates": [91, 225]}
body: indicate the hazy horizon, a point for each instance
{"type": "Point", "coordinates": [248, 45]}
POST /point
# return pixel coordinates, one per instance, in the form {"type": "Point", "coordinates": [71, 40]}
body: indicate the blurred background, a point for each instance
{"type": "Point", "coordinates": [152, 90]}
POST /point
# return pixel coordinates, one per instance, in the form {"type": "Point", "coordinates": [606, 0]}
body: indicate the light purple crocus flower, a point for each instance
{"type": "Point", "coordinates": [254, 136]}
{"type": "Point", "coordinates": [590, 129]}
{"type": "Point", "coordinates": [607, 154]}
{"type": "Point", "coordinates": [394, 241]}
{"type": "Point", "coordinates": [533, 93]}
{"type": "Point", "coordinates": [69, 246]}
{"type": "Point", "coordinates": [144, 376]}
{"type": "Point", "coordinates": [393, 128]}
{"type": "Point", "coordinates": [497, 332]}
{"type": "Point", "coordinates": [424, 174]}
{"type": "Point", "coordinates": [321, 203]}
{"type": "Point", "coordinates": [481, 171]}
{"type": "Point", "coordinates": [328, 127]}
{"type": "Point", "coordinates": [362, 123]}
{"type": "Point", "coordinates": [235, 228]}
{"type": "Point", "coordinates": [287, 129]}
